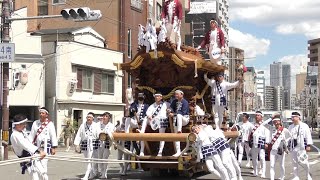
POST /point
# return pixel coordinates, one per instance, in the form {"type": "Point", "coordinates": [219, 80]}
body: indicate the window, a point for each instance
{"type": "Point", "coordinates": [42, 7]}
{"type": "Point", "coordinates": [129, 81]}
{"type": "Point", "coordinates": [159, 11]}
{"type": "Point", "coordinates": [136, 4]}
{"type": "Point", "coordinates": [129, 44]}
{"type": "Point", "coordinates": [87, 79]}
{"type": "Point", "coordinates": [54, 2]}
{"type": "Point", "coordinates": [107, 83]}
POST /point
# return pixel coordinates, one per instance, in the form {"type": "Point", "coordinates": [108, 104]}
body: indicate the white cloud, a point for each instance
{"type": "Point", "coordinates": [251, 45]}
{"type": "Point", "coordinates": [287, 16]}
{"type": "Point", "coordinates": [297, 63]}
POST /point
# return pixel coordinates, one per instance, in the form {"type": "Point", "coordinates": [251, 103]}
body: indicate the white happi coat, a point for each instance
{"type": "Point", "coordinates": [262, 132]}
{"type": "Point", "coordinates": [20, 142]}
{"type": "Point", "coordinates": [82, 134]}
{"type": "Point", "coordinates": [225, 86]}
{"type": "Point", "coordinates": [245, 129]}
{"type": "Point", "coordinates": [162, 113]}
{"type": "Point", "coordinates": [304, 137]}
{"type": "Point", "coordinates": [48, 133]}
{"type": "Point", "coordinates": [284, 136]}
{"type": "Point", "coordinates": [108, 128]}
{"type": "Point", "coordinates": [202, 140]}
{"type": "Point", "coordinates": [213, 134]}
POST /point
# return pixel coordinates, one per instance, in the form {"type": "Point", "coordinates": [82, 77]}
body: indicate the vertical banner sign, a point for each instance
{"type": "Point", "coordinates": [7, 52]}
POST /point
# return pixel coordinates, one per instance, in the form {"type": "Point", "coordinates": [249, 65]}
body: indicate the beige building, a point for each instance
{"type": "Point", "coordinates": [250, 90]}
{"type": "Point", "coordinates": [235, 95]}
{"type": "Point", "coordinates": [300, 82]}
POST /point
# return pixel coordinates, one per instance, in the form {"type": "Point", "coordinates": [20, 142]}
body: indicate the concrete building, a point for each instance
{"type": "Point", "coordinates": [26, 73]}
{"type": "Point", "coordinates": [235, 95]}
{"type": "Point", "coordinates": [250, 90]}
{"type": "Point", "coordinates": [278, 98]}
{"type": "Point", "coordinates": [269, 98]}
{"type": "Point", "coordinates": [280, 75]}
{"type": "Point", "coordinates": [81, 75]}
{"type": "Point", "coordinates": [118, 25]}
{"type": "Point", "coordinates": [261, 89]}
{"type": "Point", "coordinates": [300, 82]}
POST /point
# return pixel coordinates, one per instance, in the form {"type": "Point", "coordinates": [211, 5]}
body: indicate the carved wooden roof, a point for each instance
{"type": "Point", "coordinates": [186, 58]}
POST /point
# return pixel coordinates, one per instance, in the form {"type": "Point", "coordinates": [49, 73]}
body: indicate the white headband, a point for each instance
{"type": "Point", "coordinates": [157, 95]}
{"type": "Point", "coordinates": [89, 115]}
{"type": "Point", "coordinates": [295, 116]}
{"type": "Point", "coordinates": [43, 110]}
{"type": "Point", "coordinates": [20, 122]}
{"type": "Point", "coordinates": [276, 119]}
{"type": "Point", "coordinates": [178, 91]}
{"type": "Point", "coordinates": [259, 114]}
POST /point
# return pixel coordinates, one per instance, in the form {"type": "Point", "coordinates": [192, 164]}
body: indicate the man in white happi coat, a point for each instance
{"type": "Point", "coordinates": [208, 152]}
{"type": "Point", "coordinates": [279, 141]}
{"type": "Point", "coordinates": [88, 139]}
{"type": "Point", "coordinates": [299, 144]}
{"type": "Point", "coordinates": [218, 140]}
{"type": "Point", "coordinates": [219, 91]}
{"type": "Point", "coordinates": [23, 147]}
{"type": "Point", "coordinates": [214, 42]}
{"type": "Point", "coordinates": [156, 113]}
{"type": "Point", "coordinates": [243, 141]}
{"type": "Point", "coordinates": [258, 141]}
{"type": "Point", "coordinates": [107, 127]}
{"type": "Point", "coordinates": [43, 135]}
{"type": "Point", "coordinates": [172, 18]}
{"type": "Point", "coordinates": [123, 145]}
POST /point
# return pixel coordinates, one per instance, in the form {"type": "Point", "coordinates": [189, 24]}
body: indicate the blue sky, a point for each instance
{"type": "Point", "coordinates": [273, 30]}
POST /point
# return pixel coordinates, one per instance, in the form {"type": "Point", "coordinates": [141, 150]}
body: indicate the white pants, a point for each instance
{"type": "Point", "coordinates": [235, 163]}
{"type": "Point", "coordinates": [218, 114]}
{"type": "Point", "coordinates": [227, 162]}
{"type": "Point", "coordinates": [123, 166]}
{"type": "Point", "coordinates": [91, 167]}
{"type": "Point", "coordinates": [103, 153]}
{"type": "Point", "coordinates": [38, 172]}
{"type": "Point", "coordinates": [181, 121]}
{"type": "Point", "coordinates": [143, 129]}
{"type": "Point", "coordinates": [306, 167]}
{"type": "Point", "coordinates": [130, 123]}
{"type": "Point", "coordinates": [261, 152]}
{"type": "Point", "coordinates": [274, 156]}
{"type": "Point", "coordinates": [216, 161]}
{"type": "Point", "coordinates": [177, 36]}
{"type": "Point", "coordinates": [241, 147]}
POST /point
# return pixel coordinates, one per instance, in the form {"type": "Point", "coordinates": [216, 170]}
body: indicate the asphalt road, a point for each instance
{"type": "Point", "coordinates": [59, 170]}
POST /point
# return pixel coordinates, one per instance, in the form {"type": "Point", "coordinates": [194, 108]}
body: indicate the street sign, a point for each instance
{"type": "Point", "coordinates": [7, 52]}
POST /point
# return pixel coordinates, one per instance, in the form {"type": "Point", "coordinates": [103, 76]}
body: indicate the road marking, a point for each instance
{"type": "Point", "coordinates": [316, 148]}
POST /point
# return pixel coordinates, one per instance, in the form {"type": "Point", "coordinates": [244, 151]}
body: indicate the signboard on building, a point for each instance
{"type": "Point", "coordinates": [203, 7]}
{"type": "Point", "coordinates": [7, 52]}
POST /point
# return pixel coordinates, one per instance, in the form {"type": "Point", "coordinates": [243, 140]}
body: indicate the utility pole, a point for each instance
{"type": "Point", "coordinates": [6, 4]}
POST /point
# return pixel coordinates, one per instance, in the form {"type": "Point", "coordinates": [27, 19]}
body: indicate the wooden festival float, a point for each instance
{"type": "Point", "coordinates": [167, 70]}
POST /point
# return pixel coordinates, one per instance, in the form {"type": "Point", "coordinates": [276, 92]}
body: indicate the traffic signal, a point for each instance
{"type": "Point", "coordinates": [81, 14]}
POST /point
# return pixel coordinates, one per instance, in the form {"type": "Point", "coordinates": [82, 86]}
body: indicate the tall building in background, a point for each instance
{"type": "Point", "coordinates": [278, 98]}
{"type": "Point", "coordinates": [300, 82]}
{"type": "Point", "coordinates": [269, 98]}
{"type": "Point", "coordinates": [280, 75]}
{"type": "Point", "coordinates": [276, 74]}
{"type": "Point", "coordinates": [261, 83]}
{"type": "Point", "coordinates": [235, 95]}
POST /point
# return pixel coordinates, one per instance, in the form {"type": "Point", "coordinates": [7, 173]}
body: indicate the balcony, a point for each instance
{"type": "Point", "coordinates": [136, 5]}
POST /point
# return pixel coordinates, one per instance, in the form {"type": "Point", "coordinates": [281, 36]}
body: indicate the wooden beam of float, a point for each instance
{"type": "Point", "coordinates": [168, 137]}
